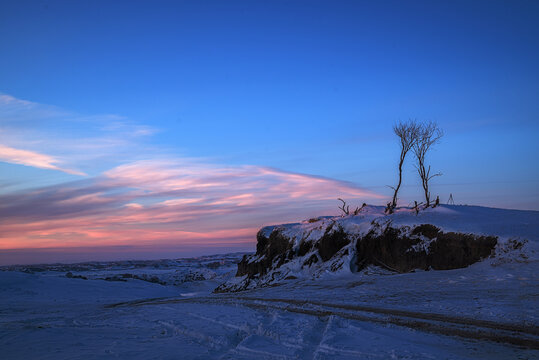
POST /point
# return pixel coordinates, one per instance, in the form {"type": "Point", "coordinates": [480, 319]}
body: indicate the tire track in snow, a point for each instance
{"type": "Point", "coordinates": [201, 338]}
{"type": "Point", "coordinates": [316, 352]}
{"type": "Point", "coordinates": [234, 345]}
{"type": "Point", "coordinates": [434, 326]}
{"type": "Point", "coordinates": [531, 330]}
{"type": "Point", "coordinates": [514, 334]}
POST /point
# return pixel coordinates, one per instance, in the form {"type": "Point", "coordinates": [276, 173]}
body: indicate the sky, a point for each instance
{"type": "Point", "coordinates": [158, 129]}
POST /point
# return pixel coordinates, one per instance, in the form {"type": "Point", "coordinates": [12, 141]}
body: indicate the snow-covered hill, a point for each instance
{"type": "Point", "coordinates": [440, 238]}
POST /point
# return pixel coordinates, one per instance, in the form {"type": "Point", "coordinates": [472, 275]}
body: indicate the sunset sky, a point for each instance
{"type": "Point", "coordinates": [154, 129]}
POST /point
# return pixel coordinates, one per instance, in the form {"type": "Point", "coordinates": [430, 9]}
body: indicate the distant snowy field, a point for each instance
{"type": "Point", "coordinates": [166, 310]}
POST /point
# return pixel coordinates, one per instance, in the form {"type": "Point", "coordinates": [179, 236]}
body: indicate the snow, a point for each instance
{"type": "Point", "coordinates": [506, 224]}
{"type": "Point", "coordinates": [168, 311]}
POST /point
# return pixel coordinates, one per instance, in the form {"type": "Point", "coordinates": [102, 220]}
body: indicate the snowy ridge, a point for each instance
{"type": "Point", "coordinates": [335, 246]}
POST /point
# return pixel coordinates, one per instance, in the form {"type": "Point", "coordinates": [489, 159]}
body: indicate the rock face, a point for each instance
{"type": "Point", "coordinates": [353, 243]}
{"type": "Point", "coordinates": [398, 249]}
{"type": "Point", "coordinates": [421, 247]}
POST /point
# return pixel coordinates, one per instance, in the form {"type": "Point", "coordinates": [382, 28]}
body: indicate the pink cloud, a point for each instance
{"type": "Point", "coordinates": [234, 182]}
{"type": "Point", "coordinates": [158, 203]}
{"type": "Point", "coordinates": [31, 158]}
{"type": "Point", "coordinates": [168, 203]}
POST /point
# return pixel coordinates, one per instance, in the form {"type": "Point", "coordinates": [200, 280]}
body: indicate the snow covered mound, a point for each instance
{"type": "Point", "coordinates": [441, 238]}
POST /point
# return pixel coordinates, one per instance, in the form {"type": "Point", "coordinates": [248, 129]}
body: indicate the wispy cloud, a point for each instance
{"type": "Point", "coordinates": [50, 137]}
{"type": "Point", "coordinates": [32, 158]}
{"type": "Point", "coordinates": [167, 202]}
{"type": "Point", "coordinates": [163, 201]}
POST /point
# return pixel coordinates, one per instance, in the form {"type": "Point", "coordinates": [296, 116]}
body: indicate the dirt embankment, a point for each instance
{"type": "Point", "coordinates": [400, 249]}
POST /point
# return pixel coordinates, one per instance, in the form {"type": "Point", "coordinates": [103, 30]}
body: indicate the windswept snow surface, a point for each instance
{"type": "Point", "coordinates": [166, 309]}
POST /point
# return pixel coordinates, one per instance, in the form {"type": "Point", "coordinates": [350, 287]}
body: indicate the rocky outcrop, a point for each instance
{"type": "Point", "coordinates": [421, 247]}
{"type": "Point", "coordinates": [351, 244]}
{"type": "Point", "coordinates": [274, 248]}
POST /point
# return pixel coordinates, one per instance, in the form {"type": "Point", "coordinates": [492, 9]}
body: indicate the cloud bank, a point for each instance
{"type": "Point", "coordinates": [162, 202]}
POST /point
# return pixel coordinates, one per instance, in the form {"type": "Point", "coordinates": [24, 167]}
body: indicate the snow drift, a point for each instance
{"type": "Point", "coordinates": [441, 238]}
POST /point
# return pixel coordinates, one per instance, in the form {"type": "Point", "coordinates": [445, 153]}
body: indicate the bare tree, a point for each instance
{"type": "Point", "coordinates": [358, 209]}
{"type": "Point", "coordinates": [428, 134]}
{"type": "Point", "coordinates": [407, 133]}
{"type": "Point", "coordinates": [344, 208]}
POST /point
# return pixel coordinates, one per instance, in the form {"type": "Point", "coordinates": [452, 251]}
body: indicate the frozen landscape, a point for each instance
{"type": "Point", "coordinates": [294, 308]}
{"type": "Point", "coordinates": [269, 180]}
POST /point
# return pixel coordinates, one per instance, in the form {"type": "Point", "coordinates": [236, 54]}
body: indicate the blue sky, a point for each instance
{"type": "Point", "coordinates": [301, 87]}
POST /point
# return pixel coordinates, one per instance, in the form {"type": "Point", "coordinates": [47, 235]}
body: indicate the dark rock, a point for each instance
{"type": "Point", "coordinates": [114, 278]}
{"type": "Point", "coordinates": [313, 259]}
{"type": "Point", "coordinates": [331, 242]}
{"type": "Point", "coordinates": [395, 251]}
{"type": "Point", "coordinates": [399, 249]}
{"type": "Point", "coordinates": [71, 276]}
{"type": "Point", "coordinates": [455, 250]}
{"type": "Point", "coordinates": [274, 247]}
{"type": "Point", "coordinates": [427, 230]}
{"type": "Point", "coordinates": [261, 242]}
{"type": "Point", "coordinates": [278, 244]}
{"type": "Point", "coordinates": [390, 250]}
{"type": "Point", "coordinates": [304, 247]}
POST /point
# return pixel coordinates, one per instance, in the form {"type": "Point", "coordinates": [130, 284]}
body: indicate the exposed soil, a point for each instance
{"type": "Point", "coordinates": [397, 249]}
{"type": "Point", "coordinates": [394, 250]}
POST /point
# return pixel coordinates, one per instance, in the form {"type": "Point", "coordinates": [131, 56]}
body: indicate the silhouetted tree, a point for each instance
{"type": "Point", "coordinates": [407, 132]}
{"type": "Point", "coordinates": [416, 207]}
{"type": "Point", "coordinates": [428, 134]}
{"type": "Point", "coordinates": [344, 208]}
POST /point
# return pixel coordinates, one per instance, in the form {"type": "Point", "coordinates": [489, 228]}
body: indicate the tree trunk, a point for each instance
{"type": "Point", "coordinates": [427, 194]}
{"type": "Point", "coordinates": [394, 202]}
{"type": "Point", "coordinates": [424, 175]}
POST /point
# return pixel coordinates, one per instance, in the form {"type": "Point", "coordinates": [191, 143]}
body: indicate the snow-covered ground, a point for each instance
{"type": "Point", "coordinates": [481, 312]}
{"type": "Point", "coordinates": [166, 309]}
